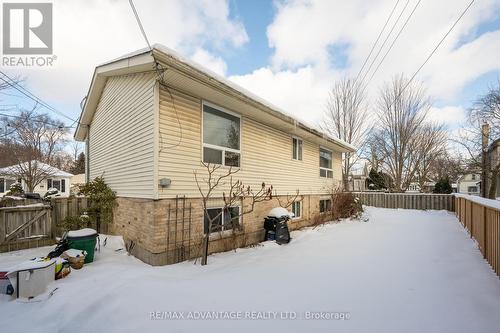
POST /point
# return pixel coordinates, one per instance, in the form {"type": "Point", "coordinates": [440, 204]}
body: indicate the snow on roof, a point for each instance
{"type": "Point", "coordinates": [178, 57]}
{"type": "Point", "coordinates": [14, 170]}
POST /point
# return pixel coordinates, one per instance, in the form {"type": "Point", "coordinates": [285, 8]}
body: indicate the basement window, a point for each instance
{"type": "Point", "coordinates": [224, 219]}
{"type": "Point", "coordinates": [221, 136]}
{"type": "Point", "coordinates": [325, 205]}
{"type": "Point", "coordinates": [296, 209]}
{"type": "Point", "coordinates": [297, 149]}
{"type": "Point", "coordinates": [325, 163]}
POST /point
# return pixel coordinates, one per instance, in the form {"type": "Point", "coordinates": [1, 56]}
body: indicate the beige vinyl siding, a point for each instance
{"type": "Point", "coordinates": [122, 135]}
{"type": "Point", "coordinates": [266, 154]}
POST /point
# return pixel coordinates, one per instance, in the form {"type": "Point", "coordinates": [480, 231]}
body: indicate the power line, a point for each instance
{"type": "Point", "coordinates": [376, 41]}
{"type": "Point", "coordinates": [140, 24]}
{"type": "Point", "coordinates": [159, 72]}
{"type": "Point", "coordinates": [433, 51]}
{"type": "Point", "coordinates": [385, 40]}
{"type": "Point", "coordinates": [36, 120]}
{"type": "Point", "coordinates": [12, 83]}
{"type": "Point", "coordinates": [393, 42]}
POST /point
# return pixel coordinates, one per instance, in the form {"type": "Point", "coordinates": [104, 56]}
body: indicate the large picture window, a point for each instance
{"type": "Point", "coordinates": [221, 137]}
{"type": "Point", "coordinates": [325, 163]}
{"type": "Point", "coordinates": [225, 219]}
{"type": "Point", "coordinates": [59, 185]}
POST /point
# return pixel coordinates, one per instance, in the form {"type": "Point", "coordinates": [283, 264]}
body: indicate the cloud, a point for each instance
{"type": "Point", "coordinates": [451, 116]}
{"type": "Point", "coordinates": [304, 33]}
{"type": "Point", "coordinates": [208, 60]}
{"type": "Point", "coordinates": [301, 93]}
{"type": "Point", "coordinates": [90, 32]}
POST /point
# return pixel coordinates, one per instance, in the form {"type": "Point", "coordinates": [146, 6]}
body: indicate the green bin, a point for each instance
{"type": "Point", "coordinates": [83, 239]}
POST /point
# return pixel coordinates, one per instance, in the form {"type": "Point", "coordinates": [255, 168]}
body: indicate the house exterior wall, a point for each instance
{"type": "Point", "coordinates": [164, 233]}
{"type": "Point", "coordinates": [467, 181]}
{"type": "Point", "coordinates": [266, 153]}
{"type": "Point", "coordinates": [121, 136]}
{"type": "Point", "coordinates": [42, 187]}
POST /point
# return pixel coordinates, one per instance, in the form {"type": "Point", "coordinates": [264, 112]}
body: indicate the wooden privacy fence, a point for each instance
{"type": "Point", "coordinates": [33, 225]}
{"type": "Point", "coordinates": [422, 201]}
{"type": "Point", "coordinates": [25, 226]}
{"type": "Point", "coordinates": [482, 221]}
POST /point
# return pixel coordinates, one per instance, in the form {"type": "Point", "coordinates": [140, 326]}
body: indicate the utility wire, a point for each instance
{"type": "Point", "coordinates": [393, 42]}
{"type": "Point", "coordinates": [140, 24]}
{"type": "Point", "coordinates": [385, 41]}
{"type": "Point", "coordinates": [12, 83]}
{"type": "Point", "coordinates": [376, 41]}
{"type": "Point", "coordinates": [432, 52]}
{"type": "Point", "coordinates": [36, 120]}
{"type": "Point", "coordinates": [159, 72]}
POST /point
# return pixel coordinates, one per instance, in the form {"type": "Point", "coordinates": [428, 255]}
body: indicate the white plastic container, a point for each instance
{"type": "Point", "coordinates": [32, 277]}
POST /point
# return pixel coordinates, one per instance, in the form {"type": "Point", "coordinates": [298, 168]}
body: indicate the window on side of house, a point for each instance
{"type": "Point", "coordinates": [325, 163]}
{"type": "Point", "coordinates": [297, 149]}
{"type": "Point", "coordinates": [325, 205]}
{"type": "Point", "coordinates": [224, 219]}
{"type": "Point", "coordinates": [2, 185]}
{"type": "Point", "coordinates": [296, 209]}
{"type": "Point", "coordinates": [221, 137]}
{"type": "Point", "coordinates": [472, 189]}
{"type": "Point", "coordinates": [8, 184]}
{"type": "Point", "coordinates": [473, 176]}
{"type": "Point", "coordinates": [58, 184]}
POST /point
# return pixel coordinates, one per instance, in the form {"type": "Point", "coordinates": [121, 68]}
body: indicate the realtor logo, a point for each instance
{"type": "Point", "coordinates": [27, 28]}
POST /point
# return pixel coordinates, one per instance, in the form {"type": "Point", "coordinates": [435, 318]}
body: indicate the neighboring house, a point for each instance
{"type": "Point", "coordinates": [147, 137]}
{"type": "Point", "coordinates": [51, 178]}
{"type": "Point", "coordinates": [358, 183]}
{"type": "Point", "coordinates": [415, 187]}
{"type": "Point", "coordinates": [469, 183]}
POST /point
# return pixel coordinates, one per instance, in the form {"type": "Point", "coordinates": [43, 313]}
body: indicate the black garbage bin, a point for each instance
{"type": "Point", "coordinates": [276, 226]}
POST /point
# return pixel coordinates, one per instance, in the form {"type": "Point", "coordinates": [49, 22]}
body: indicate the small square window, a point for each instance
{"type": "Point", "coordinates": [232, 159]}
{"type": "Point", "coordinates": [325, 205]}
{"type": "Point", "coordinates": [212, 155]}
{"type": "Point", "coordinates": [221, 219]}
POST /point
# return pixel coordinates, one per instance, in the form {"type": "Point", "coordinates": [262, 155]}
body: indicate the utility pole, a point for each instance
{"type": "Point", "coordinates": [485, 131]}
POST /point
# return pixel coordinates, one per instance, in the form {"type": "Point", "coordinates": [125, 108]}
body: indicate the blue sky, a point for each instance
{"type": "Point", "coordinates": [288, 52]}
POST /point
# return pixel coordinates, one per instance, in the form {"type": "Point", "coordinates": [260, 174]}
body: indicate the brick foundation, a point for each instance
{"type": "Point", "coordinates": [168, 231]}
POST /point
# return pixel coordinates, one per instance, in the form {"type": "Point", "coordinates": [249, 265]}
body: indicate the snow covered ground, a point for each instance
{"type": "Point", "coordinates": [402, 271]}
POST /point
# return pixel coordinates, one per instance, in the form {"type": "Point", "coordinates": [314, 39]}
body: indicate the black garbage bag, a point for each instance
{"type": "Point", "coordinates": [282, 232]}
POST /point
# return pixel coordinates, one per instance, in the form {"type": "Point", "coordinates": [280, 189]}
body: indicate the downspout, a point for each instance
{"type": "Point", "coordinates": [87, 156]}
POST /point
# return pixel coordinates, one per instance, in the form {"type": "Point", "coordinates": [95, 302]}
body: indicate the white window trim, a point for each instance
{"type": "Point", "coordinates": [223, 149]}
{"type": "Point", "coordinates": [327, 169]}
{"type": "Point", "coordinates": [217, 234]}
{"type": "Point", "coordinates": [297, 152]}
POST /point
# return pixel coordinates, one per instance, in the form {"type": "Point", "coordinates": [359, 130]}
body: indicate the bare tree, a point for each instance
{"type": "Point", "coordinates": [347, 118]}
{"type": "Point", "coordinates": [485, 112]}
{"type": "Point", "coordinates": [403, 137]}
{"type": "Point", "coordinates": [34, 143]}
{"type": "Point", "coordinates": [431, 144]}
{"type": "Point", "coordinates": [236, 193]}
{"type": "Point", "coordinates": [486, 109]}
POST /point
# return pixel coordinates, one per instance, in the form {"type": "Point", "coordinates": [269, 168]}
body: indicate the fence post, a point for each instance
{"type": "Point", "coordinates": [485, 232]}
